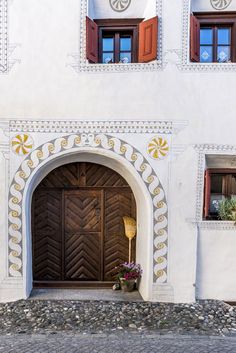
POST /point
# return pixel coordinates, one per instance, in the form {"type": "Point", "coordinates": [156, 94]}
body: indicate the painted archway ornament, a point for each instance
{"type": "Point", "coordinates": [22, 144]}
{"type": "Point", "coordinates": [220, 4]}
{"type": "Point", "coordinates": [72, 143]}
{"type": "Point", "coordinates": [158, 148]}
{"type": "Point", "coordinates": [119, 5]}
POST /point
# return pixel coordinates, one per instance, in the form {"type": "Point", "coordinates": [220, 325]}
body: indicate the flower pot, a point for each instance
{"type": "Point", "coordinates": [127, 285]}
{"type": "Point", "coordinates": [137, 282]}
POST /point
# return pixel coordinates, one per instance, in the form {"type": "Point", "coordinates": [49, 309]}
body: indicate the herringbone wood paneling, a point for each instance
{"type": "Point", "coordinates": [82, 174]}
{"type": "Point", "coordinates": [46, 228]}
{"type": "Point", "coordinates": [77, 224]}
{"type": "Point", "coordinates": [116, 244]}
{"type": "Point", "coordinates": [98, 175]}
{"type": "Point", "coordinates": [82, 256]}
{"type": "Point", "coordinates": [83, 235]}
{"type": "Point", "coordinates": [62, 177]}
{"type": "Point", "coordinates": [83, 210]}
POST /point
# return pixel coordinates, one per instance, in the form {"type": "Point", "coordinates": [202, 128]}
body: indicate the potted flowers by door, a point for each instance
{"type": "Point", "coordinates": [129, 276]}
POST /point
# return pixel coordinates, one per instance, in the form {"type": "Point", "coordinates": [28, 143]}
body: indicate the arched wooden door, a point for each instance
{"type": "Point", "coordinates": [77, 227]}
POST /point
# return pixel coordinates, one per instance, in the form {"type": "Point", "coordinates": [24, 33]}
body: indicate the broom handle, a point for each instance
{"type": "Point", "coordinates": [130, 240]}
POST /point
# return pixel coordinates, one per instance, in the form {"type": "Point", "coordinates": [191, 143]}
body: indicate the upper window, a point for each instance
{"type": "Point", "coordinates": [215, 44]}
{"type": "Point", "coordinates": [213, 38]}
{"type": "Point", "coordinates": [121, 41]}
{"type": "Point", "coordinates": [220, 184]}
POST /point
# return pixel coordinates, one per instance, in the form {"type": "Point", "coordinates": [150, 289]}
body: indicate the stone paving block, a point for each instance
{"type": "Point", "coordinates": [64, 343]}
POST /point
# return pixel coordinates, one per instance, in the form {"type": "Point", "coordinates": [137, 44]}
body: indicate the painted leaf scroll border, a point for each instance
{"type": "Point", "coordinates": [68, 143]}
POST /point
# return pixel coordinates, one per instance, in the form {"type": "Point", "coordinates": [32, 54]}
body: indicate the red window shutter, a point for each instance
{"type": "Point", "coordinates": [194, 39]}
{"type": "Point", "coordinates": [148, 36]}
{"type": "Point", "coordinates": [207, 193]}
{"type": "Point", "coordinates": [91, 40]}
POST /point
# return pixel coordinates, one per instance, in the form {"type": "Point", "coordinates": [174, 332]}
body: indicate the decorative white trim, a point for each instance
{"type": "Point", "coordinates": [203, 150]}
{"type": "Point", "coordinates": [217, 225]}
{"type": "Point", "coordinates": [214, 148]}
{"type": "Point", "coordinates": [200, 186]}
{"type": "Point", "coordinates": [4, 126]}
{"type": "Point", "coordinates": [81, 63]}
{"type": "Point", "coordinates": [177, 149]}
{"type": "Point", "coordinates": [4, 148]}
{"type": "Point", "coordinates": [12, 282]}
{"type": "Point", "coordinates": [4, 145]}
{"type": "Point", "coordinates": [71, 143]}
{"type": "Point", "coordinates": [3, 36]}
{"type": "Point", "coordinates": [163, 293]}
{"type": "Point", "coordinates": [186, 65]}
{"type": "Point", "coordinates": [6, 49]}
{"type": "Point", "coordinates": [75, 126]}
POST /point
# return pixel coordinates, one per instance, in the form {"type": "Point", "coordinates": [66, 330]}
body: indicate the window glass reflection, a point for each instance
{"type": "Point", "coordinates": [125, 43]}
{"type": "Point", "coordinates": [206, 36]}
{"type": "Point", "coordinates": [206, 54]}
{"type": "Point", "coordinates": [108, 44]}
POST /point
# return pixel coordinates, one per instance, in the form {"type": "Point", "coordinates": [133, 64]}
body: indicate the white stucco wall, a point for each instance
{"type": "Point", "coordinates": [43, 85]}
{"type": "Point", "coordinates": [203, 5]}
{"type": "Point", "coordinates": [216, 264]}
{"type": "Point", "coordinates": [138, 9]}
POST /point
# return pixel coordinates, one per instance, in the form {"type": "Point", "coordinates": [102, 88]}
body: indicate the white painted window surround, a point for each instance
{"type": "Point", "coordinates": [212, 156]}
{"type": "Point", "coordinates": [190, 6]}
{"type": "Point", "coordinates": [100, 9]}
{"type": "Point", "coordinates": [3, 36]}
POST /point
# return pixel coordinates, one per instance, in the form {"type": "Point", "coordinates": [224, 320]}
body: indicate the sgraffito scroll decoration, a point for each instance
{"type": "Point", "coordinates": [70, 144]}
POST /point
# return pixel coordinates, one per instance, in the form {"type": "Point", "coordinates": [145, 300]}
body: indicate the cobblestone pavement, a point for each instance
{"type": "Point", "coordinates": [96, 317]}
{"type": "Point", "coordinates": [64, 343]}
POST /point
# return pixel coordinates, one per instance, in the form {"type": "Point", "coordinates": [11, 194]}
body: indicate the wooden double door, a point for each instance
{"type": "Point", "coordinates": [77, 230]}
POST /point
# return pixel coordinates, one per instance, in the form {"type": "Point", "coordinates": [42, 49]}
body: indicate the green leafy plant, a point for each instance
{"type": "Point", "coordinates": [227, 210]}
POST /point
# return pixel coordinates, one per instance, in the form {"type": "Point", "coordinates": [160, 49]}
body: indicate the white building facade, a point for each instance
{"type": "Point", "coordinates": [145, 89]}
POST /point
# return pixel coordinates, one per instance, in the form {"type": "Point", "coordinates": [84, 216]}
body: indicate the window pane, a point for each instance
{"type": "Point", "coordinates": [233, 191]}
{"type": "Point", "coordinates": [107, 58]}
{"type": "Point", "coordinates": [125, 43]}
{"type": "Point", "coordinates": [214, 203]}
{"type": "Point", "coordinates": [206, 54]}
{"type": "Point", "coordinates": [216, 184]}
{"type": "Point", "coordinates": [224, 36]}
{"type": "Point", "coordinates": [206, 36]}
{"type": "Point", "coordinates": [125, 58]}
{"type": "Point", "coordinates": [108, 44]}
{"type": "Point", "coordinates": [223, 54]}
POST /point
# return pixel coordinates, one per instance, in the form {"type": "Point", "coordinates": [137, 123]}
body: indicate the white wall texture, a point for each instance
{"type": "Point", "coordinates": [44, 86]}
{"type": "Point", "coordinates": [203, 5]}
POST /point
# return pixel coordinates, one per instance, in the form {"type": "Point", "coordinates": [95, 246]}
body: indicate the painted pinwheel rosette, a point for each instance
{"type": "Point", "coordinates": [158, 148]}
{"type": "Point", "coordinates": [220, 4]}
{"type": "Point", "coordinates": [22, 144]}
{"type": "Point", "coordinates": [119, 5]}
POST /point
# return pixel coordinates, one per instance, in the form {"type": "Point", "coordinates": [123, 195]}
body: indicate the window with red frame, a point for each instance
{"type": "Point", "coordinates": [121, 41]}
{"type": "Point", "coordinates": [220, 184]}
{"type": "Point", "coordinates": [213, 37]}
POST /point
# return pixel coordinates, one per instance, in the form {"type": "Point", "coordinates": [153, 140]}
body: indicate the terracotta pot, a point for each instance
{"type": "Point", "coordinates": [127, 286]}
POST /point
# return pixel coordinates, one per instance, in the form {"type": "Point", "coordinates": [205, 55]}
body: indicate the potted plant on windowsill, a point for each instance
{"type": "Point", "coordinates": [227, 210]}
{"type": "Point", "coordinates": [129, 275]}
